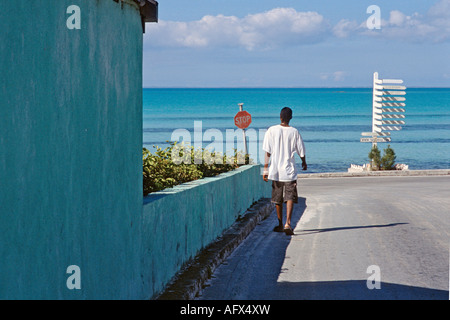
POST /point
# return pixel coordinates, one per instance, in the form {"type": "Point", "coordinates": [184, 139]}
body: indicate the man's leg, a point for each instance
{"type": "Point", "coordinates": [277, 199]}
{"type": "Point", "coordinates": [289, 209]}
{"type": "Point", "coordinates": [291, 198]}
{"type": "Point", "coordinates": [280, 214]}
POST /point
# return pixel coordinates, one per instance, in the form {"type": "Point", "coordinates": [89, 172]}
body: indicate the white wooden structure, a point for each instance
{"type": "Point", "coordinates": [387, 109]}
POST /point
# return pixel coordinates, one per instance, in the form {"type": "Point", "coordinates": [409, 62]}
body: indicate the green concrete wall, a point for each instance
{"type": "Point", "coordinates": [70, 149]}
{"type": "Point", "coordinates": [180, 221]}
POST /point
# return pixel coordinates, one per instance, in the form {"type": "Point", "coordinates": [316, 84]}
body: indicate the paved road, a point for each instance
{"type": "Point", "coordinates": [401, 225]}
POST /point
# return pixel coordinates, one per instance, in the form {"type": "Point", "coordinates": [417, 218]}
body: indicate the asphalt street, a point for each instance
{"type": "Point", "coordinates": [355, 238]}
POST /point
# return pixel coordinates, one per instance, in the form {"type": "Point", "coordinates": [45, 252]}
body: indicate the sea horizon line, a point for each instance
{"type": "Point", "coordinates": [345, 87]}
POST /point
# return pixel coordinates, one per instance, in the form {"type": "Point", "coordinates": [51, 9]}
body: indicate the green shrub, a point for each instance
{"type": "Point", "coordinates": [178, 164]}
{"type": "Point", "coordinates": [387, 162]}
{"type": "Point", "coordinates": [375, 157]}
{"type": "Point", "coordinates": [388, 159]}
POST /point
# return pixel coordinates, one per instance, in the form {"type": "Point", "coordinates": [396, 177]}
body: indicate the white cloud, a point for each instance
{"type": "Point", "coordinates": [433, 26]}
{"type": "Point", "coordinates": [397, 18]}
{"type": "Point", "coordinates": [280, 26]}
{"type": "Point", "coordinates": [336, 76]}
{"type": "Point", "coordinates": [344, 28]}
{"type": "Point", "coordinates": [441, 8]}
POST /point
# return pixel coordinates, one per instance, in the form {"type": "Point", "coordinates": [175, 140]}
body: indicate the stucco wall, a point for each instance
{"type": "Point", "coordinates": [180, 221]}
{"type": "Point", "coordinates": [70, 149]}
{"type": "Point", "coordinates": [71, 162]}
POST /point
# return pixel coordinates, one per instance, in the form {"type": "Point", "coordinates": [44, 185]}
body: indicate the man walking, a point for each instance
{"type": "Point", "coordinates": [281, 143]}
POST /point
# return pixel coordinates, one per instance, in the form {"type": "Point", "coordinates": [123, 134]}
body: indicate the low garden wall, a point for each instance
{"type": "Point", "coordinates": [180, 221]}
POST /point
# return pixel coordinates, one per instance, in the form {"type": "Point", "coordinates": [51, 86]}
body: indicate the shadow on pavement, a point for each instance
{"type": "Point", "coordinates": [310, 231]}
{"type": "Point", "coordinates": [356, 290]}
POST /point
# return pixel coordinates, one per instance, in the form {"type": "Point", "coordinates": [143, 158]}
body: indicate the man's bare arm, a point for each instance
{"type": "Point", "coordinates": [266, 167]}
{"type": "Point", "coordinates": [304, 165]}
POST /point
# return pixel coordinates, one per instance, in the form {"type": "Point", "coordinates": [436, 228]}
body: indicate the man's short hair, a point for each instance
{"type": "Point", "coordinates": [286, 114]}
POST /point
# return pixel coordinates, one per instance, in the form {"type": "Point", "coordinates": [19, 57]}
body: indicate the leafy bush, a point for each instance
{"type": "Point", "coordinates": [178, 164]}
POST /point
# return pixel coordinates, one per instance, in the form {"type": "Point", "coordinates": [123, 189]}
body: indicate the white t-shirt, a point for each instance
{"type": "Point", "coordinates": [283, 143]}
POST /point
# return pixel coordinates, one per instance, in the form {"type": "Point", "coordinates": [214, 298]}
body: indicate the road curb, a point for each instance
{"type": "Point", "coordinates": [393, 173]}
{"type": "Point", "coordinates": [188, 283]}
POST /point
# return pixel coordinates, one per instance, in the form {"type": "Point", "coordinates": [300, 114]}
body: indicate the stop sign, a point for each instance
{"type": "Point", "coordinates": [242, 119]}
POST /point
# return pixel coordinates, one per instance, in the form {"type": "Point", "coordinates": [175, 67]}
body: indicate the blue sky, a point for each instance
{"type": "Point", "coordinates": [296, 43]}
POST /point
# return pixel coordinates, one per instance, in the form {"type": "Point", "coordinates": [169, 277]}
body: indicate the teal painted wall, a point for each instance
{"type": "Point", "coordinates": [180, 221]}
{"type": "Point", "coordinates": [71, 162]}
{"type": "Point", "coordinates": [70, 150]}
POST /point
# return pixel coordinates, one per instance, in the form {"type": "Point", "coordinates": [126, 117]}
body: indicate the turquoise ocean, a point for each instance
{"type": "Point", "coordinates": [330, 121]}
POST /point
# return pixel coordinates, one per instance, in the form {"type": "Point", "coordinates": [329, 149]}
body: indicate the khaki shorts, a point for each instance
{"type": "Point", "coordinates": [284, 191]}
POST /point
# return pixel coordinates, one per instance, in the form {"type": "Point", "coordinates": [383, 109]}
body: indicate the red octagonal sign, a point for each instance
{"type": "Point", "coordinates": [242, 119]}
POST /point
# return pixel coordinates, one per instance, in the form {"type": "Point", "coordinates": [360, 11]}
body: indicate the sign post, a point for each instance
{"type": "Point", "coordinates": [242, 120]}
{"type": "Point", "coordinates": [387, 109]}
